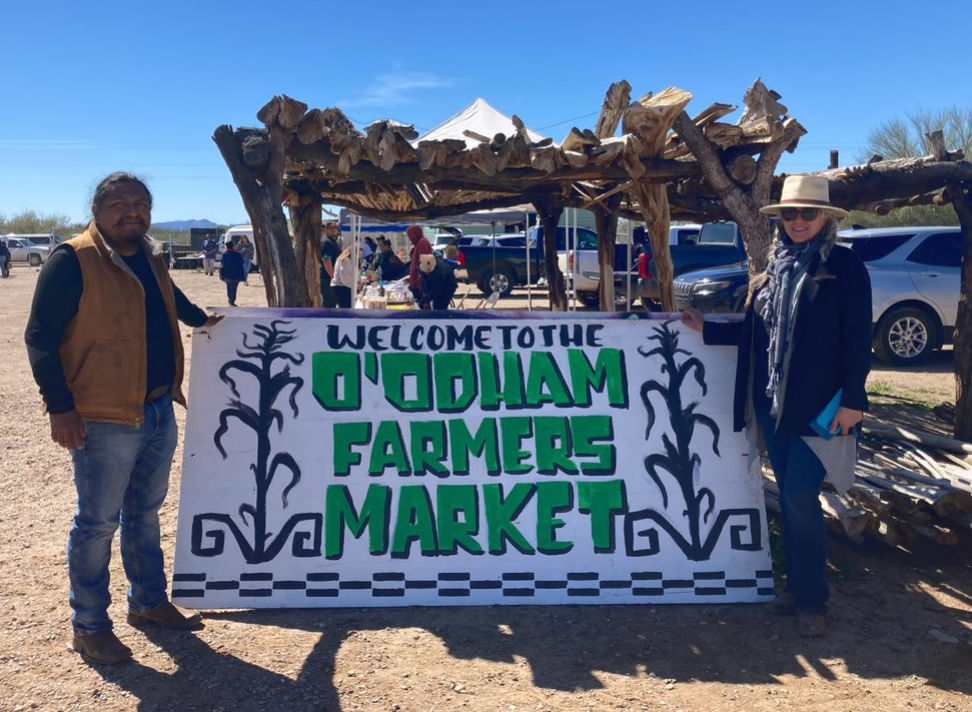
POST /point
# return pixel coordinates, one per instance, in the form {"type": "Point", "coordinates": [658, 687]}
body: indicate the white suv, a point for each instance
{"type": "Point", "coordinates": [915, 282]}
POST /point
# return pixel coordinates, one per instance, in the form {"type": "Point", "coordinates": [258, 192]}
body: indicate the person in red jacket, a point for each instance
{"type": "Point", "coordinates": [420, 246]}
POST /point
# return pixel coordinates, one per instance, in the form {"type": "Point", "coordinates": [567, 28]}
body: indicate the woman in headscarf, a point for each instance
{"type": "Point", "coordinates": [804, 345]}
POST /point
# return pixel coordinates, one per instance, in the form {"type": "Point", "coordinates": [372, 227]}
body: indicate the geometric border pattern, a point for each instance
{"type": "Point", "coordinates": [393, 584]}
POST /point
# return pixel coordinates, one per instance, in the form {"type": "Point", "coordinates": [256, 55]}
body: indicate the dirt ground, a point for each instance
{"type": "Point", "coordinates": [893, 614]}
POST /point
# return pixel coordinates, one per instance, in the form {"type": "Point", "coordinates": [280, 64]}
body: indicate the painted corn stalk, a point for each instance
{"type": "Point", "coordinates": [680, 464]}
{"type": "Point", "coordinates": [260, 361]}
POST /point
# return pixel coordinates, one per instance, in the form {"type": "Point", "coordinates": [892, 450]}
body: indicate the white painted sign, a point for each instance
{"type": "Point", "coordinates": [380, 460]}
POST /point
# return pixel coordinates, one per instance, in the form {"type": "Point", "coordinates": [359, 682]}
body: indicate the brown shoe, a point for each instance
{"type": "Point", "coordinates": [101, 648]}
{"type": "Point", "coordinates": [783, 605]}
{"type": "Point", "coordinates": [166, 616]}
{"type": "Point", "coordinates": [811, 625]}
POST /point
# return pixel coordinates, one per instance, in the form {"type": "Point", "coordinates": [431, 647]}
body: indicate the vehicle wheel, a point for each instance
{"type": "Point", "coordinates": [740, 306]}
{"type": "Point", "coordinates": [906, 337]}
{"type": "Point", "coordinates": [34, 260]}
{"type": "Point", "coordinates": [499, 281]}
{"type": "Point", "coordinates": [589, 299]}
{"type": "Point", "coordinates": [650, 304]}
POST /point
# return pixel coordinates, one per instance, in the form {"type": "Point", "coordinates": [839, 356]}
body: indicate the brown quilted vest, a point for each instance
{"type": "Point", "coordinates": [103, 350]}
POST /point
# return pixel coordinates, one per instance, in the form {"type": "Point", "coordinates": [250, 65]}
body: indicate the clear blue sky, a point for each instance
{"type": "Point", "coordinates": [92, 87]}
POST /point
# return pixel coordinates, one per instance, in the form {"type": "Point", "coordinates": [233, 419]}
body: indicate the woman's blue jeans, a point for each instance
{"type": "Point", "coordinates": [122, 477]}
{"type": "Point", "coordinates": [799, 476]}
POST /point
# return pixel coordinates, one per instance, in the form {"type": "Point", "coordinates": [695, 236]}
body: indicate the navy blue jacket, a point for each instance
{"type": "Point", "coordinates": [831, 346]}
{"type": "Point", "coordinates": [438, 284]}
{"type": "Point", "coordinates": [231, 267]}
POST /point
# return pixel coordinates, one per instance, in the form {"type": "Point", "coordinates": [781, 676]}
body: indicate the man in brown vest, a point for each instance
{"type": "Point", "coordinates": [104, 345]}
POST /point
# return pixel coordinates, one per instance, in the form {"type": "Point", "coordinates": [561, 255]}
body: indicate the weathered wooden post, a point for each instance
{"type": "Point", "coordinates": [606, 219]}
{"type": "Point", "coordinates": [256, 161]}
{"type": "Point", "coordinates": [305, 218]}
{"type": "Point", "coordinates": [961, 197]}
{"type": "Point", "coordinates": [616, 100]}
{"type": "Point", "coordinates": [743, 200]}
{"type": "Point", "coordinates": [549, 211]}
{"type": "Point", "coordinates": [649, 120]}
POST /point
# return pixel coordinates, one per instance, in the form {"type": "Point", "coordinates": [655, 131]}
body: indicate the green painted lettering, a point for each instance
{"type": "Point", "coordinates": [388, 450]}
{"type": "Point", "coordinates": [545, 383]}
{"type": "Point", "coordinates": [552, 498]}
{"type": "Point", "coordinates": [413, 522]}
{"type": "Point", "coordinates": [553, 446]}
{"type": "Point", "coordinates": [500, 514]}
{"type": "Point", "coordinates": [610, 371]}
{"type": "Point", "coordinates": [450, 501]}
{"type": "Point", "coordinates": [603, 501]}
{"type": "Point", "coordinates": [334, 372]}
{"type": "Point", "coordinates": [339, 512]}
{"type": "Point", "coordinates": [593, 436]}
{"type": "Point", "coordinates": [483, 444]}
{"type": "Point", "coordinates": [514, 430]}
{"type": "Point", "coordinates": [397, 369]}
{"type": "Point", "coordinates": [346, 435]}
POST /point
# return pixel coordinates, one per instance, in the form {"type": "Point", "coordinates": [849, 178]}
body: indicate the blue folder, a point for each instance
{"type": "Point", "coordinates": [821, 424]}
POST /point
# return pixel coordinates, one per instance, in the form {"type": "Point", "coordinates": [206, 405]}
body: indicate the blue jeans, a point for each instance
{"type": "Point", "coordinates": [246, 269]}
{"type": "Point", "coordinates": [122, 476]}
{"type": "Point", "coordinates": [799, 476]}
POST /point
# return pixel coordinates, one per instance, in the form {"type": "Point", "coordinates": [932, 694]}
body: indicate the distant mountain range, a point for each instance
{"type": "Point", "coordinates": [177, 225]}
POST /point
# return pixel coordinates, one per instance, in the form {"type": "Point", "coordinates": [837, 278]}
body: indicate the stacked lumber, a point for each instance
{"type": "Point", "coordinates": [911, 487]}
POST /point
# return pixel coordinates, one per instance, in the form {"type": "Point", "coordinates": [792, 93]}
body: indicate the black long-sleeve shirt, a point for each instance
{"type": "Point", "coordinates": [56, 300]}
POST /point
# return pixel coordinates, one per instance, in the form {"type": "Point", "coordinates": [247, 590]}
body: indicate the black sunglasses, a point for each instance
{"type": "Point", "coordinates": [790, 214]}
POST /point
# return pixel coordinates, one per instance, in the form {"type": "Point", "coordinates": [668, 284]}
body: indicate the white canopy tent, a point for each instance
{"type": "Point", "coordinates": [481, 118]}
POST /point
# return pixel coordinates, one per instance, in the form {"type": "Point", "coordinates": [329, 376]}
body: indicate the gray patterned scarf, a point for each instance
{"type": "Point", "coordinates": [776, 302]}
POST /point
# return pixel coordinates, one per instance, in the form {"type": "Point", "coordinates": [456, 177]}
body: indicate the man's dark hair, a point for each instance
{"type": "Point", "coordinates": [109, 183]}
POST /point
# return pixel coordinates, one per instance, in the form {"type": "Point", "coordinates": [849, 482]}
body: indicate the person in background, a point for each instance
{"type": "Point", "coordinates": [245, 248]}
{"type": "Point", "coordinates": [368, 249]}
{"type": "Point", "coordinates": [105, 347]}
{"type": "Point", "coordinates": [330, 249]}
{"type": "Point", "coordinates": [420, 246]}
{"type": "Point", "coordinates": [4, 259]}
{"type": "Point", "coordinates": [386, 264]}
{"type": "Point", "coordinates": [210, 251]}
{"type": "Point", "coordinates": [231, 271]}
{"type": "Point", "coordinates": [439, 283]}
{"type": "Point", "coordinates": [805, 342]}
{"type": "Point", "coordinates": [343, 282]}
{"type": "Point", "coordinates": [451, 251]}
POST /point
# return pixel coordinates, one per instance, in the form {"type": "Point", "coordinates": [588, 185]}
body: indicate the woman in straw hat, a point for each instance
{"type": "Point", "coordinates": [804, 345]}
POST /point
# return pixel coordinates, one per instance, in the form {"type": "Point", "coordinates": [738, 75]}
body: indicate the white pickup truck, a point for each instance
{"type": "Point", "coordinates": [581, 263]}
{"type": "Point", "coordinates": [32, 249]}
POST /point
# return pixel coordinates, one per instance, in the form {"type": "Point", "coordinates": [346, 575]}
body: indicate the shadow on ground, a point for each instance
{"type": "Point", "coordinates": [884, 605]}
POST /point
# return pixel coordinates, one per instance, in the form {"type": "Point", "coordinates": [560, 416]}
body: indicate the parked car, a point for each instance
{"type": "Point", "coordinates": [717, 289]}
{"type": "Point", "coordinates": [915, 283]}
{"type": "Point", "coordinates": [23, 249]}
{"type": "Point", "coordinates": [717, 244]}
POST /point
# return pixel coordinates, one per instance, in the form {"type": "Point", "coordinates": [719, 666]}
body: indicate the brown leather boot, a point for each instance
{"type": "Point", "coordinates": [167, 616]}
{"type": "Point", "coordinates": [811, 625]}
{"type": "Point", "coordinates": [101, 648]}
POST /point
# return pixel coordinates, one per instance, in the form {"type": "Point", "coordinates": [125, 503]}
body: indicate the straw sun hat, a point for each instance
{"type": "Point", "coordinates": [805, 192]}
